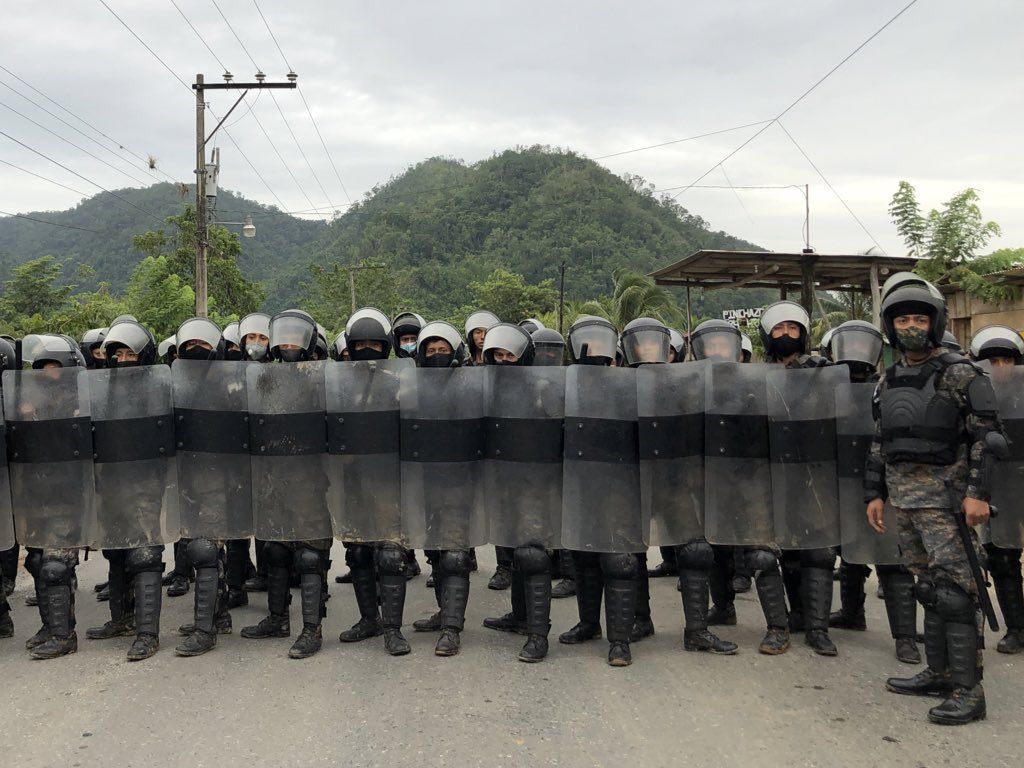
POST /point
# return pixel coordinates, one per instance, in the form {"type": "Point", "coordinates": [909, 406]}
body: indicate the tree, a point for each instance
{"type": "Point", "coordinates": [158, 297]}
{"type": "Point", "coordinates": [507, 295]}
{"type": "Point", "coordinates": [327, 294]}
{"type": "Point", "coordinates": [34, 290]}
{"type": "Point", "coordinates": [637, 296]}
{"type": "Point", "coordinates": [947, 242]}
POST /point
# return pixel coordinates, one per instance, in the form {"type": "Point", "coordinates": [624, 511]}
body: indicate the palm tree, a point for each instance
{"type": "Point", "coordinates": [636, 295]}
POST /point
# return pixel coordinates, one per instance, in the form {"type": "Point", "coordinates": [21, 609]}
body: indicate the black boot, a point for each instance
{"type": "Point", "coordinates": [60, 600]}
{"type": "Point", "coordinates": [6, 622]}
{"type": "Point", "coordinates": [933, 680]}
{"type": "Point", "coordinates": [122, 606]}
{"type": "Point", "coordinates": [514, 621]}
{"type": "Point", "coordinates": [432, 623]}
{"type": "Point", "coordinates": [901, 607]}
{"type": "Point", "coordinates": [364, 585]}
{"type": "Point", "coordinates": [773, 605]}
{"type": "Point", "coordinates": [696, 636]}
{"type": "Point", "coordinates": [620, 597]}
{"type": "Point", "coordinates": [311, 587]}
{"type": "Point", "coordinates": [392, 607]}
{"type": "Point", "coordinates": [791, 578]}
{"type": "Point", "coordinates": [723, 598]}
{"type": "Point", "coordinates": [667, 566]}
{"type": "Point", "coordinates": [43, 605]}
{"type": "Point", "coordinates": [816, 585]}
{"type": "Point", "coordinates": [537, 590]}
{"type": "Point", "coordinates": [851, 595]}
{"type": "Point", "coordinates": [502, 578]}
{"type": "Point", "coordinates": [967, 702]}
{"type": "Point", "coordinates": [203, 637]}
{"type": "Point", "coordinates": [589, 591]}
{"type": "Point", "coordinates": [277, 623]}
{"type": "Point", "coordinates": [1009, 584]}
{"type": "Point", "coordinates": [642, 624]}
{"type": "Point", "coordinates": [147, 616]}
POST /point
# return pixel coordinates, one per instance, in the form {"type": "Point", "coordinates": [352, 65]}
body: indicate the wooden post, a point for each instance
{"type": "Point", "coordinates": [876, 300]}
{"type": "Point", "coordinates": [807, 282]}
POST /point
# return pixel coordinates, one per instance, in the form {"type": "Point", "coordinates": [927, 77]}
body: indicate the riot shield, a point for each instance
{"type": "Point", "coordinates": [49, 447]}
{"type": "Point", "coordinates": [523, 412]}
{"type": "Point", "coordinates": [802, 446]}
{"type": "Point", "coordinates": [1007, 526]}
{"type": "Point", "coordinates": [288, 444]}
{"type": "Point", "coordinates": [601, 510]}
{"type": "Point", "coordinates": [670, 404]}
{"type": "Point", "coordinates": [7, 539]}
{"type": "Point", "coordinates": [442, 457]}
{"type": "Point", "coordinates": [737, 469]}
{"type": "Point", "coordinates": [363, 428]}
{"type": "Point", "coordinates": [133, 457]}
{"type": "Point", "coordinates": [855, 425]}
{"type": "Point", "coordinates": [211, 425]}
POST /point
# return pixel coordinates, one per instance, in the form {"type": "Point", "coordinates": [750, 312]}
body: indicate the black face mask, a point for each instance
{"type": "Point", "coordinates": [196, 352]}
{"type": "Point", "coordinates": [233, 354]}
{"type": "Point", "coordinates": [784, 346]}
{"type": "Point", "coordinates": [129, 364]}
{"type": "Point", "coordinates": [366, 353]}
{"type": "Point", "coordinates": [595, 361]}
{"type": "Point", "coordinates": [292, 355]}
{"type": "Point", "coordinates": [438, 361]}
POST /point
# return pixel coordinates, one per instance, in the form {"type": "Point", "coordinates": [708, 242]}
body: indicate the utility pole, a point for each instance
{"type": "Point", "coordinates": [200, 87]}
{"type": "Point", "coordinates": [561, 295]}
{"type": "Point", "coordinates": [352, 279]}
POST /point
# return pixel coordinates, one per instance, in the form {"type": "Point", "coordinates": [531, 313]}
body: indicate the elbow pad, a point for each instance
{"type": "Point", "coordinates": [874, 480]}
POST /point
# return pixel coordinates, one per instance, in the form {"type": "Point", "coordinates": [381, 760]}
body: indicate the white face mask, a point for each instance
{"type": "Point", "coordinates": [410, 348]}
{"type": "Point", "coordinates": [256, 351]}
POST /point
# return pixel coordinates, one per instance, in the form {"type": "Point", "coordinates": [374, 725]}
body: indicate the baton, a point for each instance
{"type": "Point", "coordinates": [972, 557]}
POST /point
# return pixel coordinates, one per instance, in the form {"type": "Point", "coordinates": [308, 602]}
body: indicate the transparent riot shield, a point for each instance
{"type": "Point", "coordinates": [133, 457]}
{"type": "Point", "coordinates": [211, 426]}
{"type": "Point", "coordinates": [523, 412]}
{"type": "Point", "coordinates": [737, 468]}
{"type": "Point", "coordinates": [442, 446]}
{"type": "Point", "coordinates": [670, 404]}
{"type": "Point", "coordinates": [363, 429]}
{"type": "Point", "coordinates": [802, 444]}
{"type": "Point", "coordinates": [288, 445]}
{"type": "Point", "coordinates": [6, 507]}
{"type": "Point", "coordinates": [855, 426]}
{"type": "Point", "coordinates": [49, 449]}
{"type": "Point", "coordinates": [601, 509]}
{"type": "Point", "coordinates": [1007, 526]}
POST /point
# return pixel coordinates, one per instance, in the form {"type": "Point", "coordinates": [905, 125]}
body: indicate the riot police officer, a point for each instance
{"type": "Point", "coordinates": [232, 341]}
{"type": "Point", "coordinates": [404, 330]}
{"type": "Point", "coordinates": [858, 345]}
{"type": "Point", "coordinates": [477, 325]}
{"type": "Point", "coordinates": [92, 347]}
{"type": "Point", "coordinates": [8, 360]}
{"type": "Point", "coordinates": [613, 576]}
{"type": "Point", "coordinates": [807, 573]}
{"type": "Point", "coordinates": [1003, 348]}
{"type": "Point", "coordinates": [937, 436]}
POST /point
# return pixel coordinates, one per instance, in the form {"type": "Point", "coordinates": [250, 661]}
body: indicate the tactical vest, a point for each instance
{"type": "Point", "coordinates": [919, 423]}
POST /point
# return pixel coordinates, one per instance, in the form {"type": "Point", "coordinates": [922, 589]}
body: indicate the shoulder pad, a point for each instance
{"type": "Point", "coordinates": [952, 358]}
{"type": "Point", "coordinates": [981, 397]}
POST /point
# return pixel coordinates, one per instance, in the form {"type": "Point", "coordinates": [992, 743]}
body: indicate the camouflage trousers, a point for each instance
{"type": "Point", "coordinates": [931, 547]}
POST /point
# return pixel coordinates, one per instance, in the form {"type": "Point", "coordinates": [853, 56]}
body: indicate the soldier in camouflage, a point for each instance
{"type": "Point", "coordinates": [937, 434]}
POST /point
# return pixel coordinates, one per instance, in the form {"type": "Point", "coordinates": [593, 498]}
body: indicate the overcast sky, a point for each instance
{"type": "Point", "coordinates": [936, 99]}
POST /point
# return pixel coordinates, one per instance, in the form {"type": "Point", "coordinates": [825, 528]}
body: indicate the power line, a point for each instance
{"type": "Point", "coordinates": [142, 42]}
{"type": "Point", "coordinates": [44, 178]}
{"type": "Point", "coordinates": [679, 141]}
{"type": "Point", "coordinates": [201, 38]}
{"type": "Point", "coordinates": [829, 185]}
{"type": "Point", "coordinates": [72, 144]}
{"type": "Point", "coordinates": [83, 178]}
{"type": "Point", "coordinates": [43, 221]}
{"type": "Point", "coordinates": [283, 118]}
{"type": "Point", "coordinates": [305, 103]}
{"type": "Point", "coordinates": [802, 96]}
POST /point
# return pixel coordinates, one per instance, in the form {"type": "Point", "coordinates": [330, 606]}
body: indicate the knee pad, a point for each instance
{"type": "Point", "coordinates": [1003, 562]}
{"type": "Point", "coordinates": [761, 560]}
{"type": "Point", "coordinates": [202, 553]}
{"type": "Point", "coordinates": [925, 593]}
{"type": "Point", "coordinates": [54, 573]}
{"type": "Point", "coordinates": [695, 556]}
{"type": "Point", "coordinates": [532, 561]}
{"type": "Point", "coordinates": [277, 555]}
{"type": "Point", "coordinates": [392, 560]}
{"type": "Point", "coordinates": [34, 561]}
{"type": "Point", "coordinates": [145, 560]}
{"type": "Point", "coordinates": [359, 556]}
{"type": "Point", "coordinates": [619, 565]}
{"type": "Point", "coordinates": [953, 603]}
{"type": "Point", "coordinates": [818, 558]}
{"type": "Point", "coordinates": [308, 560]}
{"type": "Point", "coordinates": [454, 562]}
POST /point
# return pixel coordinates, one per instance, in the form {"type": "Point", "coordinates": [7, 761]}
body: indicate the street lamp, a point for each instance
{"type": "Point", "coordinates": [248, 228]}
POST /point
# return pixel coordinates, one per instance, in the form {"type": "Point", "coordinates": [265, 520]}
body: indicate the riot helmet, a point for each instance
{"type": "Point", "coordinates": [8, 356]}
{"type": "Point", "coordinates": [677, 345]}
{"type": "Point", "coordinates": [717, 340]}
{"type": "Point", "coordinates": [124, 318]}
{"type": "Point", "coordinates": [90, 345]}
{"type": "Point", "coordinates": [997, 341]}
{"type": "Point", "coordinates": [507, 344]}
{"type": "Point", "coordinates": [404, 330]}
{"type": "Point", "coordinates": [339, 349]}
{"type": "Point", "coordinates": [592, 341]}
{"type": "Point", "coordinates": [900, 280]}
{"type": "Point", "coordinates": [292, 336]}
{"type": "Point", "coordinates": [787, 314]}
{"type": "Point", "coordinates": [368, 334]}
{"type": "Point", "coordinates": [254, 336]}
{"type": "Point", "coordinates": [645, 340]}
{"type": "Point", "coordinates": [167, 350]}
{"type": "Point", "coordinates": [127, 343]}
{"type": "Point", "coordinates": [949, 341]}
{"type": "Point", "coordinates": [857, 344]}
{"type": "Point", "coordinates": [915, 299]}
{"type": "Point", "coordinates": [548, 347]}
{"type": "Point", "coordinates": [823, 346]}
{"type": "Point", "coordinates": [199, 338]}
{"type": "Point", "coordinates": [439, 345]}
{"type": "Point", "coordinates": [39, 349]}
{"type": "Point", "coordinates": [477, 325]}
{"type": "Point", "coordinates": [232, 342]}
{"type": "Point", "coordinates": [320, 351]}
{"type": "Point", "coordinates": [748, 348]}
{"type": "Point", "coordinates": [531, 324]}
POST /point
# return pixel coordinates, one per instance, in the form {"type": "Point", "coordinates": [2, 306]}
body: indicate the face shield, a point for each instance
{"type": "Point", "coordinates": [724, 345]}
{"type": "Point", "coordinates": [596, 338]}
{"type": "Point", "coordinates": [291, 332]}
{"type": "Point", "coordinates": [856, 345]}
{"type": "Point", "coordinates": [645, 344]}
